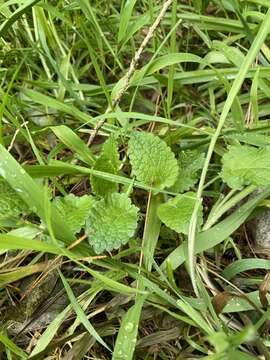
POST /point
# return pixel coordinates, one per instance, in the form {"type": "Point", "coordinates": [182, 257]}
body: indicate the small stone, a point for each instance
{"type": "Point", "coordinates": [260, 229]}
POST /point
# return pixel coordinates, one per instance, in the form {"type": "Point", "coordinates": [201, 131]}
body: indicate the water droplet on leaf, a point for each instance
{"type": "Point", "coordinates": [129, 327]}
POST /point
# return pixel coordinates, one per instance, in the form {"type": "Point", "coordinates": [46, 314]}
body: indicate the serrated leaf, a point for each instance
{"type": "Point", "coordinates": [107, 162]}
{"type": "Point", "coordinates": [190, 162]}
{"type": "Point", "coordinates": [152, 160]}
{"type": "Point", "coordinates": [112, 222]}
{"type": "Point", "coordinates": [246, 165]}
{"type": "Point", "coordinates": [11, 204]}
{"type": "Point", "coordinates": [74, 209]}
{"type": "Point", "coordinates": [176, 213]}
{"type": "Point", "coordinates": [110, 152]}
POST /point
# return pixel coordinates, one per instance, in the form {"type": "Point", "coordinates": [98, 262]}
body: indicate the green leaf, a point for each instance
{"type": "Point", "coordinates": [152, 160]}
{"type": "Point", "coordinates": [107, 162]}
{"type": "Point", "coordinates": [246, 165]}
{"type": "Point", "coordinates": [176, 213]}
{"type": "Point", "coordinates": [11, 205]}
{"type": "Point", "coordinates": [112, 222]}
{"type": "Point", "coordinates": [74, 210]}
{"type": "Point", "coordinates": [190, 162]}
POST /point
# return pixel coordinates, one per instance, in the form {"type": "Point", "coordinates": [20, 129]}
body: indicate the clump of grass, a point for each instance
{"type": "Point", "coordinates": [133, 138]}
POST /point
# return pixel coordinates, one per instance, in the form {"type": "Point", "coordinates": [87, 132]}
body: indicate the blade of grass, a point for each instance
{"type": "Point", "coordinates": [127, 334]}
{"type": "Point", "coordinates": [16, 15]}
{"type": "Point", "coordinates": [80, 313]}
{"type": "Point", "coordinates": [58, 105]}
{"type": "Point", "coordinates": [125, 15]}
{"type": "Point", "coordinates": [12, 346]}
{"type": "Point", "coordinates": [73, 142]}
{"type": "Point", "coordinates": [21, 272]}
{"type": "Point", "coordinates": [171, 70]}
{"type": "Point", "coordinates": [244, 265]}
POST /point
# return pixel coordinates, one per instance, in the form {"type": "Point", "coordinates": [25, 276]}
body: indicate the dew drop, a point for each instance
{"type": "Point", "coordinates": [2, 172]}
{"type": "Point", "coordinates": [22, 171]}
{"type": "Point", "coordinates": [129, 327]}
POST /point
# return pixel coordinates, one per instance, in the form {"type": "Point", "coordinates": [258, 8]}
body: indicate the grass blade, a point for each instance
{"type": "Point", "coordinates": [80, 313]}
{"type": "Point", "coordinates": [12, 346]}
{"type": "Point", "coordinates": [16, 15]}
{"type": "Point", "coordinates": [73, 142]}
{"type": "Point", "coordinates": [127, 335]}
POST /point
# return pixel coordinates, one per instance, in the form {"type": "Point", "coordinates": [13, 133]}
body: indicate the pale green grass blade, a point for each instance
{"type": "Point", "coordinates": [181, 303]}
{"type": "Point", "coordinates": [151, 231]}
{"type": "Point", "coordinates": [20, 273]}
{"type": "Point", "coordinates": [127, 335]}
{"type": "Point", "coordinates": [165, 61]}
{"type": "Point", "coordinates": [244, 265]}
{"type": "Point", "coordinates": [12, 242]}
{"type": "Point", "coordinates": [125, 15]}
{"type": "Point", "coordinates": [57, 105]}
{"type": "Point", "coordinates": [51, 330]}
{"type": "Point", "coordinates": [89, 14]}
{"type": "Point", "coordinates": [254, 97]}
{"type": "Point", "coordinates": [195, 316]}
{"type": "Point", "coordinates": [16, 15]}
{"type": "Point", "coordinates": [110, 283]}
{"type": "Point", "coordinates": [146, 119]}
{"type": "Point", "coordinates": [73, 142]}
{"type": "Point", "coordinates": [12, 346]}
{"type": "Point", "coordinates": [80, 313]}
{"type": "Point", "coordinates": [171, 69]}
